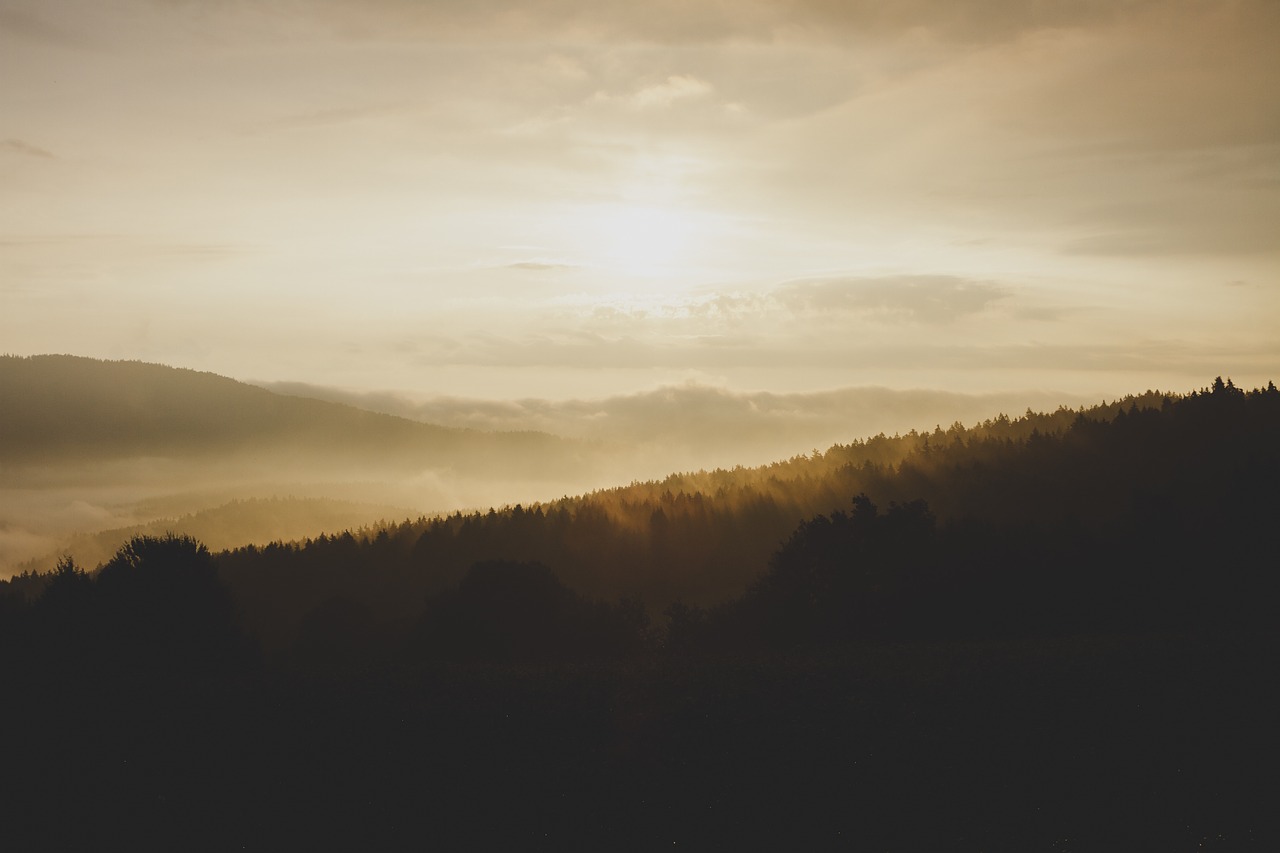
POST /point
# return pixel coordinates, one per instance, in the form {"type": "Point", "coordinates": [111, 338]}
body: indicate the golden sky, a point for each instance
{"type": "Point", "coordinates": [567, 198]}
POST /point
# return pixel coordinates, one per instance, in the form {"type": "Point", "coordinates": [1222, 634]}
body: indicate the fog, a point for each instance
{"type": "Point", "coordinates": [693, 426]}
{"type": "Point", "coordinates": [89, 446]}
{"type": "Point", "coordinates": [88, 511]}
{"type": "Point", "coordinates": [126, 447]}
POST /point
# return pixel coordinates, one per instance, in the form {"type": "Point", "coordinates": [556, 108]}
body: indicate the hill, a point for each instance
{"type": "Point", "coordinates": [89, 446]}
{"type": "Point", "coordinates": [68, 409]}
{"type": "Point", "coordinates": [703, 538]}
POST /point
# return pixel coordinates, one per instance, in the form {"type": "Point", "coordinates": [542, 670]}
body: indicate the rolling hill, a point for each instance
{"type": "Point", "coordinates": [68, 409]}
{"type": "Point", "coordinates": [88, 446]}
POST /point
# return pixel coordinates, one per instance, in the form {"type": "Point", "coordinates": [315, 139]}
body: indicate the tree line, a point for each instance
{"type": "Point", "coordinates": [1102, 516]}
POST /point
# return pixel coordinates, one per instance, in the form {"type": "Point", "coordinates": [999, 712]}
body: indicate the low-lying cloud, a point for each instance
{"type": "Point", "coordinates": [698, 426]}
{"type": "Point", "coordinates": [687, 21]}
{"type": "Point", "coordinates": [26, 149]}
{"type": "Point", "coordinates": [541, 266]}
{"type": "Point", "coordinates": [676, 87]}
{"type": "Point", "coordinates": [902, 298]}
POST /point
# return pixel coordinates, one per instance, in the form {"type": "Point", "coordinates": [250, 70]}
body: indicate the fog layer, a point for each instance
{"type": "Point", "coordinates": [91, 447]}
{"type": "Point", "coordinates": [692, 426]}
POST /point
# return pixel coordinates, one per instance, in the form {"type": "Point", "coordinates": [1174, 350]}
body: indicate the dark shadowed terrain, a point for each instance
{"type": "Point", "coordinates": [1049, 633]}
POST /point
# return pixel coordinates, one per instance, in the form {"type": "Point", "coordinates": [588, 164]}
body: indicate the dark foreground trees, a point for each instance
{"type": "Point", "coordinates": [509, 612]}
{"type": "Point", "coordinates": [1092, 669]}
{"type": "Point", "coordinates": [156, 609]}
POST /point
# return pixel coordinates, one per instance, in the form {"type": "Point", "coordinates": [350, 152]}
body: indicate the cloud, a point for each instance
{"type": "Point", "coordinates": [905, 298]}
{"type": "Point", "coordinates": [1045, 313]}
{"type": "Point", "coordinates": [967, 20]}
{"type": "Point", "coordinates": [312, 119]}
{"type": "Point", "coordinates": [125, 248]}
{"type": "Point", "coordinates": [681, 22]}
{"type": "Point", "coordinates": [17, 146]}
{"type": "Point", "coordinates": [694, 425]}
{"type": "Point", "coordinates": [1225, 235]}
{"type": "Point", "coordinates": [29, 27]}
{"type": "Point", "coordinates": [841, 352]}
{"type": "Point", "coordinates": [18, 544]}
{"type": "Point", "coordinates": [201, 250]}
{"type": "Point", "coordinates": [879, 138]}
{"type": "Point", "coordinates": [541, 266]}
{"type": "Point", "coordinates": [633, 95]}
{"type": "Point", "coordinates": [674, 88]}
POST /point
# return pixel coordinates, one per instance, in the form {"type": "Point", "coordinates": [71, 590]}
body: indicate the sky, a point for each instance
{"type": "Point", "coordinates": [563, 199]}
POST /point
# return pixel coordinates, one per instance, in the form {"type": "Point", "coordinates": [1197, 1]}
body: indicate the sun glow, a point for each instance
{"type": "Point", "coordinates": [641, 240]}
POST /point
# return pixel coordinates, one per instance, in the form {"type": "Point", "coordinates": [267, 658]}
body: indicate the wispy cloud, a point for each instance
{"type": "Point", "coordinates": [33, 27]}
{"type": "Point", "coordinates": [17, 146]}
{"type": "Point", "coordinates": [904, 298]}
{"type": "Point", "coordinates": [680, 22]}
{"type": "Point", "coordinates": [1223, 236]}
{"type": "Point", "coordinates": [325, 117]}
{"type": "Point", "coordinates": [541, 266]}
{"type": "Point", "coordinates": [677, 87]}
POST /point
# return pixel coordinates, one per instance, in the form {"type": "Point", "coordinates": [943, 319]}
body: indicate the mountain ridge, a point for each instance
{"type": "Point", "coordinates": [64, 406]}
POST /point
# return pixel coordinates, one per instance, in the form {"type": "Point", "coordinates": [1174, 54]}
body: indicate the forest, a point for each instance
{"type": "Point", "coordinates": [1049, 632]}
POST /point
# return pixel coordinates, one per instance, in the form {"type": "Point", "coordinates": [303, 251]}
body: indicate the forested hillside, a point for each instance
{"type": "Point", "coordinates": [702, 538]}
{"type": "Point", "coordinates": [1049, 633]}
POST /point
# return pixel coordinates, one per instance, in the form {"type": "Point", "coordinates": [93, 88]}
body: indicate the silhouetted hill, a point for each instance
{"type": "Point", "coordinates": [66, 409]}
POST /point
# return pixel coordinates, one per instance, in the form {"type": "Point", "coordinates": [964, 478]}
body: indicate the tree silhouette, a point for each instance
{"type": "Point", "coordinates": [520, 612]}
{"type": "Point", "coordinates": [163, 607]}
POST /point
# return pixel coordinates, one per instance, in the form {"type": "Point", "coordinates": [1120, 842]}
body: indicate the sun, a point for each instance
{"type": "Point", "coordinates": [640, 240]}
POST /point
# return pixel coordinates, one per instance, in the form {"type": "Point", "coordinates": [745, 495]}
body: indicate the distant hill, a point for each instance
{"type": "Point", "coordinates": [61, 408]}
{"type": "Point", "coordinates": [88, 446]}
{"type": "Point", "coordinates": [65, 409]}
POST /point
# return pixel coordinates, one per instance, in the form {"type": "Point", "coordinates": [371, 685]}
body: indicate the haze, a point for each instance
{"type": "Point", "coordinates": [725, 424]}
{"type": "Point", "coordinates": [571, 200]}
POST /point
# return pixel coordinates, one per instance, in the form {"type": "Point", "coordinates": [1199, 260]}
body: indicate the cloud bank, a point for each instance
{"type": "Point", "coordinates": [920, 298]}
{"type": "Point", "coordinates": [697, 426]}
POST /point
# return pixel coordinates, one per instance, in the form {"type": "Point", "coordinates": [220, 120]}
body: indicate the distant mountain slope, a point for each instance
{"type": "Point", "coordinates": [89, 445]}
{"type": "Point", "coordinates": [61, 408]}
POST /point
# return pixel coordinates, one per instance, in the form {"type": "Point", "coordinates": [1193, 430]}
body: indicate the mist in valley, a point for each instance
{"type": "Point", "coordinates": [99, 451]}
{"type": "Point", "coordinates": [692, 426]}
{"type": "Point", "coordinates": [104, 449]}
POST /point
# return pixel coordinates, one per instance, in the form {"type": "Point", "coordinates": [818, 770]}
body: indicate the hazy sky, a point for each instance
{"type": "Point", "coordinates": [495, 198]}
